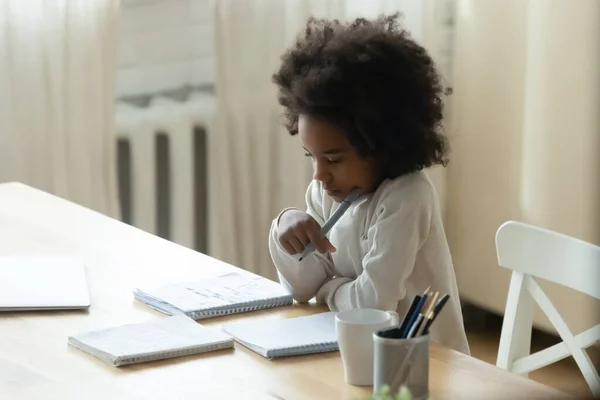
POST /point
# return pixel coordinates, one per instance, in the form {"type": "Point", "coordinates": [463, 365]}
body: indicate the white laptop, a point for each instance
{"type": "Point", "coordinates": [42, 283]}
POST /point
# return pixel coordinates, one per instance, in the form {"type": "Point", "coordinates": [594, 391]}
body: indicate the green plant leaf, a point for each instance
{"type": "Point", "coordinates": [403, 393]}
{"type": "Point", "coordinates": [385, 394]}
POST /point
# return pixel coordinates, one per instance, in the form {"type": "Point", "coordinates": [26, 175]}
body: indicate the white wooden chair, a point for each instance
{"type": "Point", "coordinates": [531, 252]}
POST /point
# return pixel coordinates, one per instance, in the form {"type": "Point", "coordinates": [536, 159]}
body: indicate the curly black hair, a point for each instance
{"type": "Point", "coordinates": [374, 82]}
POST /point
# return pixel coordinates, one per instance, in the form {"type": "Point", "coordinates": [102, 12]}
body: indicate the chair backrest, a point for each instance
{"type": "Point", "coordinates": [549, 255]}
{"type": "Point", "coordinates": [532, 252]}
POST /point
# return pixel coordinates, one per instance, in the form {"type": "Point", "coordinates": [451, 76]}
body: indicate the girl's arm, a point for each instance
{"type": "Point", "coordinates": [304, 278]}
{"type": "Point", "coordinates": [397, 237]}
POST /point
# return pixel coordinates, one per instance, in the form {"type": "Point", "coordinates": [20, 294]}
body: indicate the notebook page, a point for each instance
{"type": "Point", "coordinates": [161, 335]}
{"type": "Point", "coordinates": [217, 292]}
{"type": "Point", "coordinates": [280, 334]}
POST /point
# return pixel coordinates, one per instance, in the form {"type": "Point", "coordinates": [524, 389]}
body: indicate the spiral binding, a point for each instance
{"type": "Point", "coordinates": [242, 309]}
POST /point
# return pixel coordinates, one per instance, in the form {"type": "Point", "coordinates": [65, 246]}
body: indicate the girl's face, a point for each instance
{"type": "Point", "coordinates": [336, 163]}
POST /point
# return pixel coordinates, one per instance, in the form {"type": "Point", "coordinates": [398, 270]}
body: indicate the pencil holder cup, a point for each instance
{"type": "Point", "coordinates": [399, 362]}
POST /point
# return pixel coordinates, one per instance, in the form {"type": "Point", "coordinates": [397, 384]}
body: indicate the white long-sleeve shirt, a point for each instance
{"type": "Point", "coordinates": [390, 246]}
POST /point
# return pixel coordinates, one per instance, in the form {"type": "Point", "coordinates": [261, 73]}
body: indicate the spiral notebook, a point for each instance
{"type": "Point", "coordinates": [169, 337]}
{"type": "Point", "coordinates": [226, 294]}
{"type": "Point", "coordinates": [287, 337]}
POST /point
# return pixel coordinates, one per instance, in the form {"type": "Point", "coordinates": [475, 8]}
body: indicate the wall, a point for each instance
{"type": "Point", "coordinates": [164, 44]}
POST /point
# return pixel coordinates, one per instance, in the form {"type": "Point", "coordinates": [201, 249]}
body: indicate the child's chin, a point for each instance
{"type": "Point", "coordinates": [337, 196]}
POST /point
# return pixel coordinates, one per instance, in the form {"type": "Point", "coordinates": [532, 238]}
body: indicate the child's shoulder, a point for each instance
{"type": "Point", "coordinates": [414, 186]}
{"type": "Point", "coordinates": [412, 193]}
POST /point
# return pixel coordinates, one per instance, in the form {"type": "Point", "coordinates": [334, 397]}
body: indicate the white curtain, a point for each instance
{"type": "Point", "coordinates": [526, 131]}
{"type": "Point", "coordinates": [560, 185]}
{"type": "Point", "coordinates": [57, 77]}
{"type": "Point", "coordinates": [255, 167]}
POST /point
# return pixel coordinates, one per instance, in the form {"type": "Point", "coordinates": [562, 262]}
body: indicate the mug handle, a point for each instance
{"type": "Point", "coordinates": [394, 316]}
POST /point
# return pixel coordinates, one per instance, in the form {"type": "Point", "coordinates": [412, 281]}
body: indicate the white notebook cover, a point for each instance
{"type": "Point", "coordinates": [148, 341]}
{"type": "Point", "coordinates": [226, 294]}
{"type": "Point", "coordinates": [287, 337]}
{"type": "Point", "coordinates": [42, 283]}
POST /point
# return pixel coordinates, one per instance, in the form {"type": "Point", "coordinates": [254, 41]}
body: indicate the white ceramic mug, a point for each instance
{"type": "Point", "coordinates": [354, 329]}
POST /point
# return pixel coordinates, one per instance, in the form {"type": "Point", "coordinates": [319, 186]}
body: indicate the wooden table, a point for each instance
{"type": "Point", "coordinates": [37, 363]}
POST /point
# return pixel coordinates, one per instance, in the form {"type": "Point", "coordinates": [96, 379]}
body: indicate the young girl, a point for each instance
{"type": "Point", "coordinates": [365, 100]}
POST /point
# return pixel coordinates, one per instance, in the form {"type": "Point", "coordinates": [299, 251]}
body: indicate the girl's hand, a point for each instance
{"type": "Point", "coordinates": [297, 228]}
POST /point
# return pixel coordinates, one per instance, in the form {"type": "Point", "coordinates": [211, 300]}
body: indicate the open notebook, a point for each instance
{"type": "Point", "coordinates": [226, 294]}
{"type": "Point", "coordinates": [287, 337]}
{"type": "Point", "coordinates": [148, 341]}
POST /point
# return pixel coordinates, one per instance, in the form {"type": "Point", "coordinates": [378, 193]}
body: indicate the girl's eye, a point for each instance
{"type": "Point", "coordinates": [307, 154]}
{"type": "Point", "coordinates": [333, 161]}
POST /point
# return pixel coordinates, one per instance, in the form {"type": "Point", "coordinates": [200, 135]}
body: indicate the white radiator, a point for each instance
{"type": "Point", "coordinates": [179, 125]}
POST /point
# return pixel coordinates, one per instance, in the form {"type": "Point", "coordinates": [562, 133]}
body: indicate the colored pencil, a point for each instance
{"type": "Point", "coordinates": [410, 311]}
{"type": "Point", "coordinates": [436, 311]}
{"type": "Point", "coordinates": [415, 314]}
